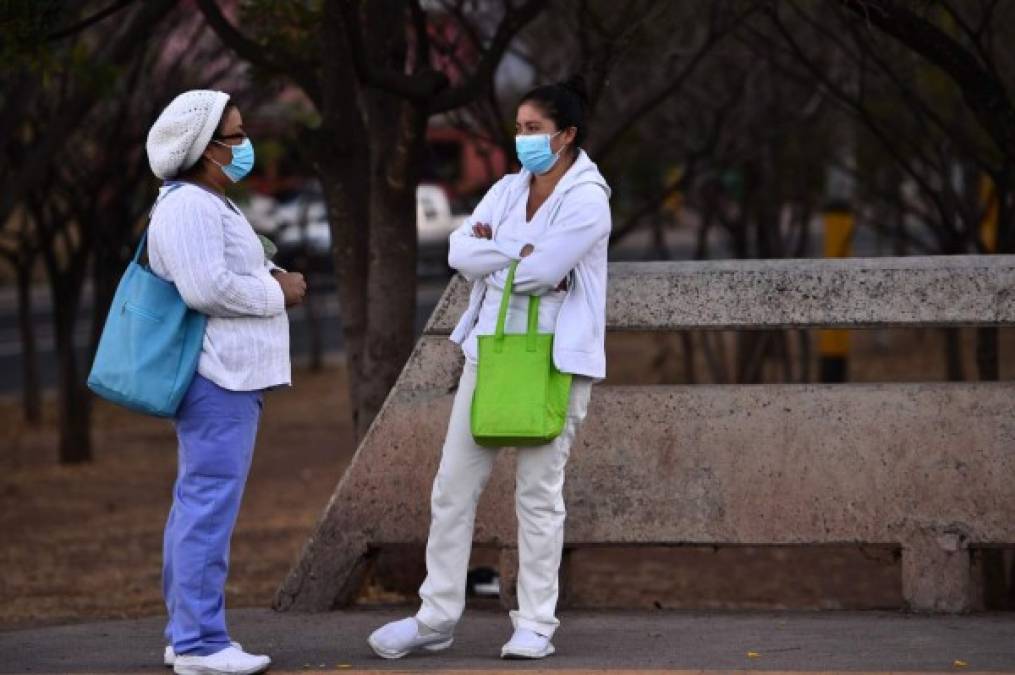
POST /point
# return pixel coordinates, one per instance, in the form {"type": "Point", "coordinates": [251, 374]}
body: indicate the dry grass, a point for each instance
{"type": "Point", "coordinates": [85, 541]}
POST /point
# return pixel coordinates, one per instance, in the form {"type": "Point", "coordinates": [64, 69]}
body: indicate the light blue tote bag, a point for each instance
{"type": "Point", "coordinates": [150, 345]}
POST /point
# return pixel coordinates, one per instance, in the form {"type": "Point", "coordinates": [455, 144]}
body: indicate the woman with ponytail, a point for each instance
{"type": "Point", "coordinates": [552, 218]}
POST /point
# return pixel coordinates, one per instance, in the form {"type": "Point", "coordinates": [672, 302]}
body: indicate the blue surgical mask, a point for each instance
{"type": "Point", "coordinates": [534, 152]}
{"type": "Point", "coordinates": [243, 160]}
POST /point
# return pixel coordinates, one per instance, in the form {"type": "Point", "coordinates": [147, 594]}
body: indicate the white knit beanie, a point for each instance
{"type": "Point", "coordinates": [183, 131]}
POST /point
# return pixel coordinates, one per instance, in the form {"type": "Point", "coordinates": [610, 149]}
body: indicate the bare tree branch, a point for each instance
{"type": "Point", "coordinates": [513, 22]}
{"type": "Point", "coordinates": [652, 99]}
{"type": "Point", "coordinates": [89, 21]}
{"type": "Point", "coordinates": [419, 27]}
{"type": "Point", "coordinates": [862, 114]}
{"type": "Point", "coordinates": [302, 72]}
{"type": "Point", "coordinates": [77, 104]}
{"type": "Point", "coordinates": [983, 93]}
{"type": "Point", "coordinates": [429, 87]}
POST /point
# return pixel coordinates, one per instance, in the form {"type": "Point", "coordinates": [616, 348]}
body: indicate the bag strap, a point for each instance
{"type": "Point", "coordinates": [533, 319]}
{"type": "Point", "coordinates": [140, 246]}
{"type": "Point", "coordinates": [144, 236]}
{"type": "Point", "coordinates": [530, 342]}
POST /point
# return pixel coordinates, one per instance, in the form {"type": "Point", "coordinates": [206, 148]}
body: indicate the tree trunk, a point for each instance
{"type": "Point", "coordinates": [660, 251]}
{"type": "Point", "coordinates": [987, 361]}
{"type": "Point", "coordinates": [782, 347]}
{"type": "Point", "coordinates": [751, 353]}
{"type": "Point", "coordinates": [31, 393]}
{"type": "Point", "coordinates": [804, 342]}
{"type": "Point", "coordinates": [345, 182]}
{"type": "Point", "coordinates": [396, 130]}
{"type": "Point", "coordinates": [687, 351]}
{"type": "Point", "coordinates": [988, 348]}
{"type": "Point", "coordinates": [1005, 210]}
{"type": "Point", "coordinates": [74, 403]}
{"type": "Point", "coordinates": [107, 268]}
{"type": "Point", "coordinates": [341, 157]}
{"type": "Point", "coordinates": [714, 347]}
{"type": "Point", "coordinates": [314, 330]}
{"type": "Point", "coordinates": [953, 355]}
{"type": "Point", "coordinates": [391, 280]}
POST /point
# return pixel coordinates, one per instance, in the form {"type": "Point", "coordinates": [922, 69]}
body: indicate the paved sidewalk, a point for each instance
{"type": "Point", "coordinates": [687, 641]}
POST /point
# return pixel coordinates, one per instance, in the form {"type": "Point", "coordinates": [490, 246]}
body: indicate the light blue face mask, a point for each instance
{"type": "Point", "coordinates": [534, 152]}
{"type": "Point", "coordinates": [243, 160]}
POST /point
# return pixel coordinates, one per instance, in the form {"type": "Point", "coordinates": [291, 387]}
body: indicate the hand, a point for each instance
{"type": "Point", "coordinates": [294, 287]}
{"type": "Point", "coordinates": [526, 250]}
{"type": "Point", "coordinates": [482, 230]}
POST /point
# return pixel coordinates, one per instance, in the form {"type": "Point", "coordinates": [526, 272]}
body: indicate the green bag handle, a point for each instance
{"type": "Point", "coordinates": [530, 343]}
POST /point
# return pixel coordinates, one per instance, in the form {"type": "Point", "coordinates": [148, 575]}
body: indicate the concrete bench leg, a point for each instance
{"type": "Point", "coordinates": [329, 574]}
{"type": "Point", "coordinates": [936, 572]}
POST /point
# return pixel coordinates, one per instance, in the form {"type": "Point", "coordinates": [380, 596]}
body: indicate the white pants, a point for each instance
{"type": "Point", "coordinates": [539, 503]}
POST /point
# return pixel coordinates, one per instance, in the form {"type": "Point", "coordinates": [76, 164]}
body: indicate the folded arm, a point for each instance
{"type": "Point", "coordinates": [582, 222]}
{"type": "Point", "coordinates": [474, 256]}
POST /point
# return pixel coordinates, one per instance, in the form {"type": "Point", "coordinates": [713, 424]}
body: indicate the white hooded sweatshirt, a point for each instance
{"type": "Point", "coordinates": [575, 240]}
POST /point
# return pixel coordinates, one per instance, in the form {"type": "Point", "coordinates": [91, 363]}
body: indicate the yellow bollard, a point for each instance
{"type": "Point", "coordinates": [988, 226]}
{"type": "Point", "coordinates": [833, 344]}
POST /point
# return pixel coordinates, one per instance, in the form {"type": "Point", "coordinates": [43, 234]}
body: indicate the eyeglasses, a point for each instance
{"type": "Point", "coordinates": [238, 136]}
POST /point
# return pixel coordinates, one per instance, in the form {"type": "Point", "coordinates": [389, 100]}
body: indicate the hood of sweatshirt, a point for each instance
{"type": "Point", "coordinates": [583, 171]}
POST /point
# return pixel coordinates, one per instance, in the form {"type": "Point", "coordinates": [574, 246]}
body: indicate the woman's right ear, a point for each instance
{"type": "Point", "coordinates": [209, 155]}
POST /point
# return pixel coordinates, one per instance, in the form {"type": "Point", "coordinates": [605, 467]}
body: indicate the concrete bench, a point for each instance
{"type": "Point", "coordinates": [927, 467]}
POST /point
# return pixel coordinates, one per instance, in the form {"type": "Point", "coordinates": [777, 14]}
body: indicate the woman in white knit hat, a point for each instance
{"type": "Point", "coordinates": [199, 240]}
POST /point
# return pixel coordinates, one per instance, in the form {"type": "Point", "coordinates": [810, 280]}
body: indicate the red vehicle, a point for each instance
{"type": "Point", "coordinates": [462, 163]}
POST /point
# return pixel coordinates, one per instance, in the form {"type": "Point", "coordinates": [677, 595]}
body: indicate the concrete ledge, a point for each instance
{"type": "Point", "coordinates": [755, 294]}
{"type": "Point", "coordinates": [682, 464]}
{"type": "Point", "coordinates": [924, 466]}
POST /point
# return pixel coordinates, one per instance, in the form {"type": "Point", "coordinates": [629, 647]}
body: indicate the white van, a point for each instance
{"type": "Point", "coordinates": [299, 227]}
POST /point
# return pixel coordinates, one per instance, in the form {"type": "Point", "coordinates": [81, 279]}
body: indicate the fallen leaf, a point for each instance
{"type": "Point", "coordinates": [753, 655]}
{"type": "Point", "coordinates": [958, 663]}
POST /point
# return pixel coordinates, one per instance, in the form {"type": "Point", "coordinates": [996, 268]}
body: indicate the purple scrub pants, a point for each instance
{"type": "Point", "coordinates": [216, 429]}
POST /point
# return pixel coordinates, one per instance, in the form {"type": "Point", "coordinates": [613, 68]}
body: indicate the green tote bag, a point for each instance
{"type": "Point", "coordinates": [520, 398]}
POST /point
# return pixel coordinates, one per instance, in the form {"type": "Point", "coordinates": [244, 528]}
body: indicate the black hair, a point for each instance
{"type": "Point", "coordinates": [222, 120]}
{"type": "Point", "coordinates": [195, 168]}
{"type": "Point", "coordinates": [565, 103]}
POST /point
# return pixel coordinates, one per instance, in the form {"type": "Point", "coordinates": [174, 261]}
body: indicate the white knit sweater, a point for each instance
{"type": "Point", "coordinates": [205, 246]}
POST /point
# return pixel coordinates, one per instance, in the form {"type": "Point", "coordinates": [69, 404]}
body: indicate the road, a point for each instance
{"type": "Point", "coordinates": [684, 642]}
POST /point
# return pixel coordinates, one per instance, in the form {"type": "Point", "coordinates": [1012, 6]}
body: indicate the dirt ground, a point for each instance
{"type": "Point", "coordinates": [84, 542]}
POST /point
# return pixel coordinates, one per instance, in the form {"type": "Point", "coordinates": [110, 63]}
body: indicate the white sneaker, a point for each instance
{"type": "Point", "coordinates": [169, 656]}
{"type": "Point", "coordinates": [229, 661]}
{"type": "Point", "coordinates": [398, 638]}
{"type": "Point", "coordinates": [527, 644]}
